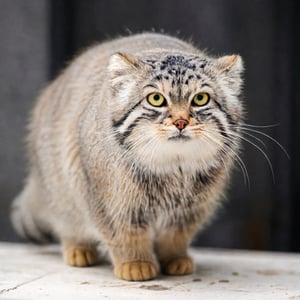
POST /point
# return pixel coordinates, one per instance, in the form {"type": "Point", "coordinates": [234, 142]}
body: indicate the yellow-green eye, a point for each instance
{"type": "Point", "coordinates": [200, 99]}
{"type": "Point", "coordinates": [156, 99]}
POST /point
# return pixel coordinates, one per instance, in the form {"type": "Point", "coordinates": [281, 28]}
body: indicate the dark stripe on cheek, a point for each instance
{"type": "Point", "coordinates": [229, 141]}
{"type": "Point", "coordinates": [118, 123]}
{"type": "Point", "coordinates": [228, 116]}
{"type": "Point", "coordinates": [152, 110]}
{"type": "Point", "coordinates": [202, 113]}
{"type": "Point", "coordinates": [123, 136]}
{"type": "Point", "coordinates": [220, 126]}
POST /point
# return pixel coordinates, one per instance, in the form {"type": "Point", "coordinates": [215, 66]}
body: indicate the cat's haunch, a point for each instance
{"type": "Point", "coordinates": [130, 151]}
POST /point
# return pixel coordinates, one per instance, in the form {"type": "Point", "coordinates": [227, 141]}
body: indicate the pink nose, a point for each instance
{"type": "Point", "coordinates": [181, 123]}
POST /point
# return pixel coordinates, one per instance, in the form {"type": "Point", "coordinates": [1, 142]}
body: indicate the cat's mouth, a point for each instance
{"type": "Point", "coordinates": [179, 137]}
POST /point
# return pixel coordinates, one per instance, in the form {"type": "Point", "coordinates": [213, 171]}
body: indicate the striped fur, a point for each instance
{"type": "Point", "coordinates": [107, 167]}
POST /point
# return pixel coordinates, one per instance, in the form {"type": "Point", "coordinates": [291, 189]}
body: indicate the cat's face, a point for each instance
{"type": "Point", "coordinates": [170, 110]}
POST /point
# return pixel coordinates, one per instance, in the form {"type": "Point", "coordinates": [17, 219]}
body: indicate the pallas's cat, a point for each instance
{"type": "Point", "coordinates": [130, 151]}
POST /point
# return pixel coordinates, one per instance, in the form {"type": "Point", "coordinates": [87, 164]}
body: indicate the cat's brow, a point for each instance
{"type": "Point", "coordinates": [206, 84]}
{"type": "Point", "coordinates": [151, 85]}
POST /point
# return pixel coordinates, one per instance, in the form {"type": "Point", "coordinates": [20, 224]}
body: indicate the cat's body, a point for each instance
{"type": "Point", "coordinates": [109, 167]}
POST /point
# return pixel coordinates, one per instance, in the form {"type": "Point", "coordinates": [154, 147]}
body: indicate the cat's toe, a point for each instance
{"type": "Point", "coordinates": [80, 256]}
{"type": "Point", "coordinates": [136, 271]}
{"type": "Point", "coordinates": [178, 266]}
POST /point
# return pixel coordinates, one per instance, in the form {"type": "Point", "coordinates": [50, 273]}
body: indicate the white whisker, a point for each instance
{"type": "Point", "coordinates": [259, 126]}
{"type": "Point", "coordinates": [266, 135]}
{"type": "Point", "coordinates": [254, 137]}
{"type": "Point", "coordinates": [257, 147]}
{"type": "Point", "coordinates": [237, 158]}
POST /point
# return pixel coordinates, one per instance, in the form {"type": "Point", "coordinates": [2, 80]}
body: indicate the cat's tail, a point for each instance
{"type": "Point", "coordinates": [25, 221]}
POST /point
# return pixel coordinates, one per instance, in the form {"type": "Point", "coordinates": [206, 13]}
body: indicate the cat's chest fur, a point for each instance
{"type": "Point", "coordinates": [164, 199]}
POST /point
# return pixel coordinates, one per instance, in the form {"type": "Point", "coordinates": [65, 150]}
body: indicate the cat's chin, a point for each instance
{"type": "Point", "coordinates": [179, 138]}
{"type": "Point", "coordinates": [182, 152]}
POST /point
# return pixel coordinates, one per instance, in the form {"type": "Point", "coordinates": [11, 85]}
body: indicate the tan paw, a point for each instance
{"type": "Point", "coordinates": [179, 266]}
{"type": "Point", "coordinates": [136, 271]}
{"type": "Point", "coordinates": [80, 256]}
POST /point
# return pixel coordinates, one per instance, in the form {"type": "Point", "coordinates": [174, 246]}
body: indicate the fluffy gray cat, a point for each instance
{"type": "Point", "coordinates": [131, 148]}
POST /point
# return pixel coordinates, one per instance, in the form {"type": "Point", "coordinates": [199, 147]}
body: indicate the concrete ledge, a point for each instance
{"type": "Point", "coordinates": [35, 272]}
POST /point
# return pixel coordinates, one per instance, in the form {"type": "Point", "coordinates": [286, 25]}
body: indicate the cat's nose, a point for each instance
{"type": "Point", "coordinates": [181, 123]}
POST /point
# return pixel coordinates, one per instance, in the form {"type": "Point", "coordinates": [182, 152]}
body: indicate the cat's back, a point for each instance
{"type": "Point", "coordinates": [143, 42]}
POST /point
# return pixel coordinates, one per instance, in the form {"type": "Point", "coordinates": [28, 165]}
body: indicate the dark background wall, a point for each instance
{"type": "Point", "coordinates": [24, 61]}
{"type": "Point", "coordinates": [37, 37]}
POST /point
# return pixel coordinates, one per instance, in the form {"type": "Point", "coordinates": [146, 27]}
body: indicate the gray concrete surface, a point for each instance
{"type": "Point", "coordinates": [32, 272]}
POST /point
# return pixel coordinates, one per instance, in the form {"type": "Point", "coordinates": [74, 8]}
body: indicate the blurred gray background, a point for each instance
{"type": "Point", "coordinates": [39, 36]}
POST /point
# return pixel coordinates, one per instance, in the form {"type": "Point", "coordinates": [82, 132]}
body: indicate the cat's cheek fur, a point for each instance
{"type": "Point", "coordinates": [122, 97]}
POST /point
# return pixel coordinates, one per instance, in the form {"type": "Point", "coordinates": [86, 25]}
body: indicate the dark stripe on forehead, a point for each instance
{"type": "Point", "coordinates": [172, 60]}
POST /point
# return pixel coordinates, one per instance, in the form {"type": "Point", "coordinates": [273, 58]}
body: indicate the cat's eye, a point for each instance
{"type": "Point", "coordinates": [156, 99]}
{"type": "Point", "coordinates": [200, 99]}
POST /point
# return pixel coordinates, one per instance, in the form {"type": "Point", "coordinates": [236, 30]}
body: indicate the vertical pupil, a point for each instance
{"type": "Point", "coordinates": [199, 97]}
{"type": "Point", "coordinates": [156, 97]}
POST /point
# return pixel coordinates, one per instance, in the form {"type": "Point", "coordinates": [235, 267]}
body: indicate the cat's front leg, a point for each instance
{"type": "Point", "coordinates": [79, 254]}
{"type": "Point", "coordinates": [133, 255]}
{"type": "Point", "coordinates": [171, 249]}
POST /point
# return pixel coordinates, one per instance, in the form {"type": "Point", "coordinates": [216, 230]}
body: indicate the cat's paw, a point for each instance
{"type": "Point", "coordinates": [80, 256]}
{"type": "Point", "coordinates": [136, 271]}
{"type": "Point", "coordinates": [178, 266]}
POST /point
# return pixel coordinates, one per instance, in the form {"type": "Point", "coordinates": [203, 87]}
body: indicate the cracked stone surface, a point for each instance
{"type": "Point", "coordinates": [38, 272]}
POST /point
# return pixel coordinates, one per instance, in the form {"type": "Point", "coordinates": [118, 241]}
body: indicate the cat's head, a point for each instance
{"type": "Point", "coordinates": [171, 109]}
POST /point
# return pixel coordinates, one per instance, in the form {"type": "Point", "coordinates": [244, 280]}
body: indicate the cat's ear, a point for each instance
{"type": "Point", "coordinates": [121, 64]}
{"type": "Point", "coordinates": [121, 69]}
{"type": "Point", "coordinates": [232, 64]}
{"type": "Point", "coordinates": [231, 67]}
